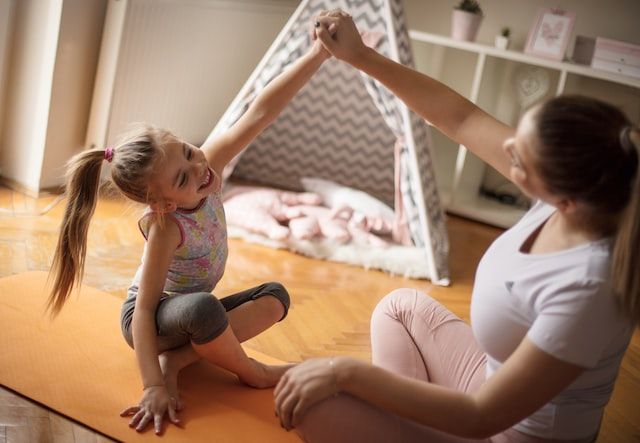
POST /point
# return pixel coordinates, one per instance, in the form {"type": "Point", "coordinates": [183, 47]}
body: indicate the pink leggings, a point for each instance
{"type": "Point", "coordinates": [414, 335]}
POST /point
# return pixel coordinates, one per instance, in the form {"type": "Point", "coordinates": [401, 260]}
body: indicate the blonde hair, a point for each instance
{"type": "Point", "coordinates": [132, 163]}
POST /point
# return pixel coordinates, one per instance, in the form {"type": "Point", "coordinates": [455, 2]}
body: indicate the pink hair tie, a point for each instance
{"type": "Point", "coordinates": [108, 154]}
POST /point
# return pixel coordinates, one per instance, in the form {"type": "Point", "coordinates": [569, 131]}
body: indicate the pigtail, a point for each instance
{"type": "Point", "coordinates": [83, 182]}
{"type": "Point", "coordinates": [626, 253]}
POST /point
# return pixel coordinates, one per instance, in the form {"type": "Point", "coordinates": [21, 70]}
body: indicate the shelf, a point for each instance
{"type": "Point", "coordinates": [482, 209]}
{"type": "Point", "coordinates": [518, 56]}
{"type": "Point", "coordinates": [485, 210]}
{"type": "Point", "coordinates": [463, 195]}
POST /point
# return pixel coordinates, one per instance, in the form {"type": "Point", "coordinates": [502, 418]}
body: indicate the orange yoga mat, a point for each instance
{"type": "Point", "coordinates": [80, 366]}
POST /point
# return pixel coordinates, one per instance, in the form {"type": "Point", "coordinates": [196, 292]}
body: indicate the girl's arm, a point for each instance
{"type": "Point", "coordinates": [438, 104]}
{"type": "Point", "coordinates": [162, 242]}
{"type": "Point", "coordinates": [264, 109]}
{"type": "Point", "coordinates": [528, 379]}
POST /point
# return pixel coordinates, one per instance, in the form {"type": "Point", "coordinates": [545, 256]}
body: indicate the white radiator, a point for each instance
{"type": "Point", "coordinates": [178, 64]}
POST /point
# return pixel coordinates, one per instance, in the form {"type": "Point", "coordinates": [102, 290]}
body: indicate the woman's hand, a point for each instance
{"type": "Point", "coordinates": [339, 35]}
{"type": "Point", "coordinates": [154, 404]}
{"type": "Point", "coordinates": [303, 386]}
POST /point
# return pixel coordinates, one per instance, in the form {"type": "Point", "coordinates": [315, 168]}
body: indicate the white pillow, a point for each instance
{"type": "Point", "coordinates": [335, 195]}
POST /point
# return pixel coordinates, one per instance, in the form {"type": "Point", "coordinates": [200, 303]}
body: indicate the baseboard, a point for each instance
{"type": "Point", "coordinates": [29, 192]}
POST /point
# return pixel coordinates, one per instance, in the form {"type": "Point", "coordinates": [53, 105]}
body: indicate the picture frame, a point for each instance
{"type": "Point", "coordinates": [549, 36]}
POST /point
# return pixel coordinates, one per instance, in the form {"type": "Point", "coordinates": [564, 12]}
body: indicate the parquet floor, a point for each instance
{"type": "Point", "coordinates": [329, 316]}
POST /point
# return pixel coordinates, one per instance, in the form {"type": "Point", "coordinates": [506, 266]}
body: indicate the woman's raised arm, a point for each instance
{"type": "Point", "coordinates": [438, 104]}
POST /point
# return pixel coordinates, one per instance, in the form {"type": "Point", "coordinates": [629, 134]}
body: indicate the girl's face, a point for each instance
{"type": "Point", "coordinates": [183, 178]}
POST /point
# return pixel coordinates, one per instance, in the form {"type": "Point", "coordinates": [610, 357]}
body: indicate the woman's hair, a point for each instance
{"type": "Point", "coordinates": [589, 152]}
{"type": "Point", "coordinates": [132, 162]}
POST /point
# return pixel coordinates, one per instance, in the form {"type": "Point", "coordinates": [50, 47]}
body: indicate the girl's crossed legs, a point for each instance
{"type": "Point", "coordinates": [198, 325]}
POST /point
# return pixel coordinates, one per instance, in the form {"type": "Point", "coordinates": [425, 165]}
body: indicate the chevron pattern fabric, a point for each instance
{"type": "Point", "coordinates": [343, 125]}
{"type": "Point", "coordinates": [331, 130]}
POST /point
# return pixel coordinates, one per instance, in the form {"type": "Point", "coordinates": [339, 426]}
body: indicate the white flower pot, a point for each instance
{"type": "Point", "coordinates": [502, 42]}
{"type": "Point", "coordinates": [465, 25]}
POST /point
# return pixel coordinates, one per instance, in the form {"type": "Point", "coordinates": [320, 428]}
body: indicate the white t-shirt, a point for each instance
{"type": "Point", "coordinates": [561, 302]}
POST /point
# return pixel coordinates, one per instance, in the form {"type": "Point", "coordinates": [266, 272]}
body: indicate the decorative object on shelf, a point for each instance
{"type": "Point", "coordinates": [583, 50]}
{"type": "Point", "coordinates": [550, 33]}
{"type": "Point", "coordinates": [532, 84]}
{"type": "Point", "coordinates": [465, 20]}
{"type": "Point", "coordinates": [616, 56]}
{"type": "Point", "coordinates": [502, 40]}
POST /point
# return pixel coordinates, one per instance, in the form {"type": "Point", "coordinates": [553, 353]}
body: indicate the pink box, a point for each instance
{"type": "Point", "coordinates": [616, 56]}
{"type": "Point", "coordinates": [617, 51]}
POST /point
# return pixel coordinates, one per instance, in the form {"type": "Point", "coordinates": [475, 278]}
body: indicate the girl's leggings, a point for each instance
{"type": "Point", "coordinates": [413, 335]}
{"type": "Point", "coordinates": [198, 317]}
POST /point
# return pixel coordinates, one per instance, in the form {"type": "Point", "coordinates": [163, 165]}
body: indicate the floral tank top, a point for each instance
{"type": "Point", "coordinates": [199, 261]}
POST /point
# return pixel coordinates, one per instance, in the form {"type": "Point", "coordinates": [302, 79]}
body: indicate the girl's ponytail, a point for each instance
{"type": "Point", "coordinates": [83, 182]}
{"type": "Point", "coordinates": [626, 254]}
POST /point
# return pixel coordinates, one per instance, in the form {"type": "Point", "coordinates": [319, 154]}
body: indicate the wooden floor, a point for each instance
{"type": "Point", "coordinates": [331, 303]}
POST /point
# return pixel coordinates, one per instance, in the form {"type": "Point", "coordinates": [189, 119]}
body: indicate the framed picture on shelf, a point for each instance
{"type": "Point", "coordinates": [549, 36]}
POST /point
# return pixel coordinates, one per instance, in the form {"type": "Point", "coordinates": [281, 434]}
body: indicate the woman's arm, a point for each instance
{"type": "Point", "coordinates": [438, 104]}
{"type": "Point", "coordinates": [162, 242]}
{"type": "Point", "coordinates": [264, 109]}
{"type": "Point", "coordinates": [529, 379]}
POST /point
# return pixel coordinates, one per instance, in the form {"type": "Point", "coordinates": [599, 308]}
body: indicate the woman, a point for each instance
{"type": "Point", "coordinates": [555, 300]}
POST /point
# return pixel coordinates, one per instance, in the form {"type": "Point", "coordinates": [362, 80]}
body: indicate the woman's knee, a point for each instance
{"type": "Point", "coordinates": [397, 301]}
{"type": "Point", "coordinates": [406, 305]}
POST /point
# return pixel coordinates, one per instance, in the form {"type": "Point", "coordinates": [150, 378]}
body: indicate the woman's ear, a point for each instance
{"type": "Point", "coordinates": [163, 207]}
{"type": "Point", "coordinates": [519, 177]}
{"type": "Point", "coordinates": [566, 205]}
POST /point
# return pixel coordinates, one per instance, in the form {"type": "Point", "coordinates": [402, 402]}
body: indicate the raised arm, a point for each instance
{"type": "Point", "coordinates": [438, 104]}
{"type": "Point", "coordinates": [264, 109]}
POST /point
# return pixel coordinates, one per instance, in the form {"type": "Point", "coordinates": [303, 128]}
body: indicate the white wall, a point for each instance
{"type": "Point", "coordinates": [73, 78]}
{"type": "Point", "coordinates": [180, 64]}
{"type": "Point", "coordinates": [7, 8]}
{"type": "Point", "coordinates": [616, 19]}
{"type": "Point", "coordinates": [53, 50]}
{"type": "Point", "coordinates": [28, 86]}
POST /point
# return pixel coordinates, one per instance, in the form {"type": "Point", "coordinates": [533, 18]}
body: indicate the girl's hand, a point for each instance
{"type": "Point", "coordinates": [303, 386]}
{"type": "Point", "coordinates": [318, 50]}
{"type": "Point", "coordinates": [339, 35]}
{"type": "Point", "coordinates": [154, 404]}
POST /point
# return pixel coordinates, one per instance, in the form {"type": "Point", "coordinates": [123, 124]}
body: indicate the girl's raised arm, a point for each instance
{"type": "Point", "coordinates": [219, 150]}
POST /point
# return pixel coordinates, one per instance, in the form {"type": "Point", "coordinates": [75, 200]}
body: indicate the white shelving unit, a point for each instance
{"type": "Point", "coordinates": [466, 172]}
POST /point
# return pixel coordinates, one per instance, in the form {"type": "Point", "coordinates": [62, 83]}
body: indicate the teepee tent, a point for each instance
{"type": "Point", "coordinates": [346, 127]}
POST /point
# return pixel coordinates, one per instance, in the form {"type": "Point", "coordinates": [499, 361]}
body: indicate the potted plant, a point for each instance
{"type": "Point", "coordinates": [466, 20]}
{"type": "Point", "coordinates": [502, 40]}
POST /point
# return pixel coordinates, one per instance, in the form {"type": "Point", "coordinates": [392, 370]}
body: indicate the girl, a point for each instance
{"type": "Point", "coordinates": [555, 299]}
{"type": "Point", "coordinates": [169, 310]}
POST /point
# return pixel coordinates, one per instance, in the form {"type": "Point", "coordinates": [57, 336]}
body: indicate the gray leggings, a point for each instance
{"type": "Point", "coordinates": [198, 317]}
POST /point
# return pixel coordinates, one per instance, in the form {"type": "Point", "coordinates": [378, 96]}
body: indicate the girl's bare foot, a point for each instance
{"type": "Point", "coordinates": [265, 376]}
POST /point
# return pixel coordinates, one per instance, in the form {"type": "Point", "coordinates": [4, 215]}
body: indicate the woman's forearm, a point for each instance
{"type": "Point", "coordinates": [432, 405]}
{"type": "Point", "coordinates": [432, 100]}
